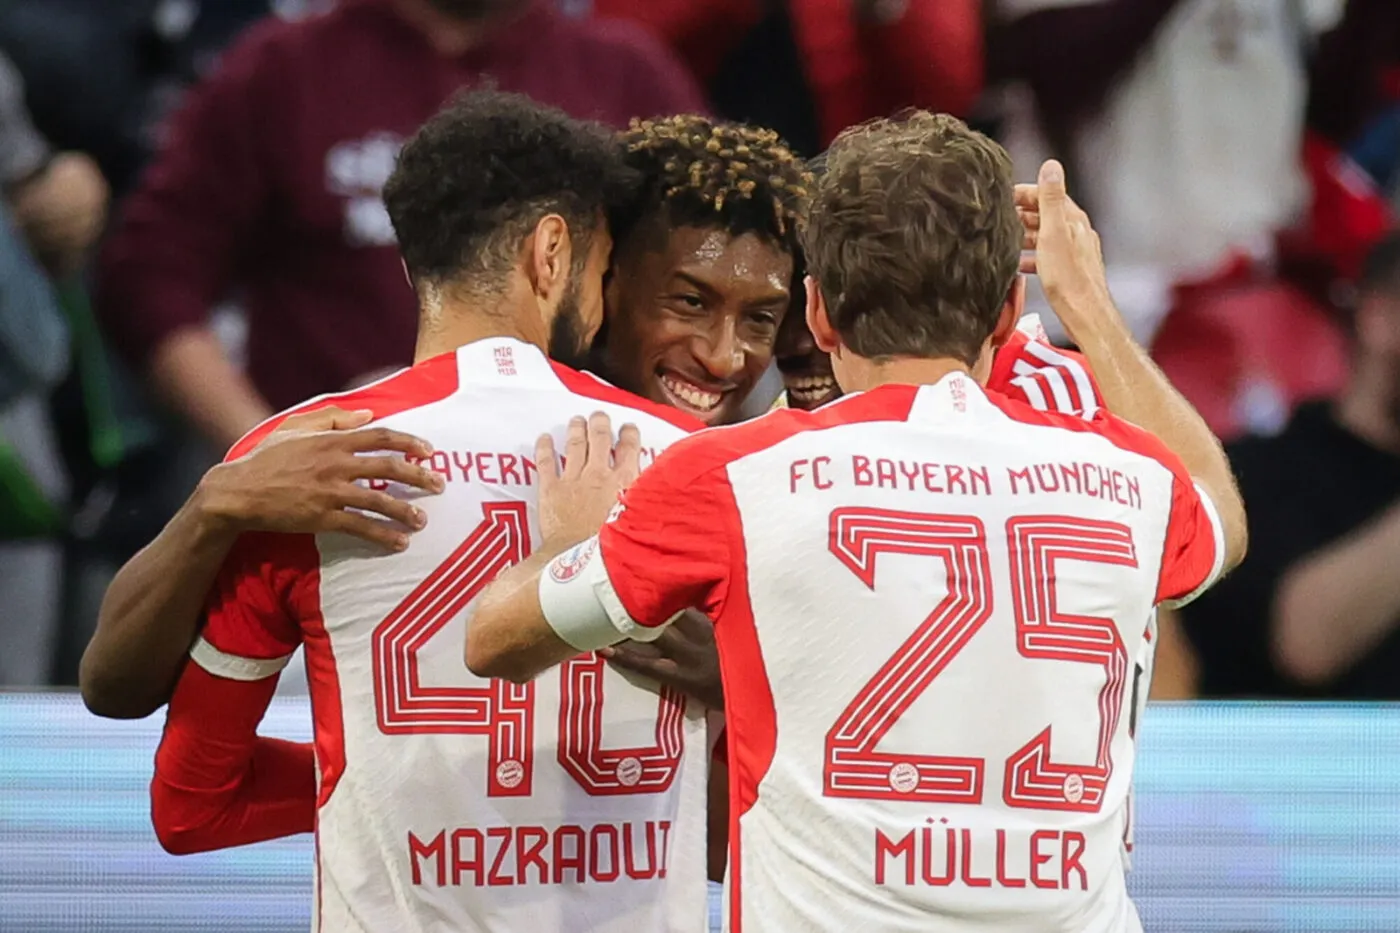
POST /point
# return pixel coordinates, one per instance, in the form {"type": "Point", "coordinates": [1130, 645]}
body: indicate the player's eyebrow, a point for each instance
{"type": "Point", "coordinates": [772, 296]}
{"type": "Point", "coordinates": [695, 282]}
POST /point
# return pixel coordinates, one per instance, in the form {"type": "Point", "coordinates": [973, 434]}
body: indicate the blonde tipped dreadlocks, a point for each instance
{"type": "Point", "coordinates": [704, 173]}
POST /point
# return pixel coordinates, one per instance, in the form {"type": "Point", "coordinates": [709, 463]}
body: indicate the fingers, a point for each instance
{"type": "Point", "coordinates": [546, 461]}
{"type": "Point", "coordinates": [323, 419]}
{"type": "Point", "coordinates": [381, 503]}
{"type": "Point", "coordinates": [1052, 194]}
{"type": "Point", "coordinates": [627, 455]}
{"type": "Point", "coordinates": [374, 530]}
{"type": "Point", "coordinates": [376, 439]}
{"type": "Point", "coordinates": [599, 441]}
{"type": "Point", "coordinates": [641, 659]}
{"type": "Point", "coordinates": [1027, 198]}
{"type": "Point", "coordinates": [1028, 266]}
{"type": "Point", "coordinates": [342, 420]}
{"type": "Point", "coordinates": [398, 470]}
{"type": "Point", "coordinates": [575, 447]}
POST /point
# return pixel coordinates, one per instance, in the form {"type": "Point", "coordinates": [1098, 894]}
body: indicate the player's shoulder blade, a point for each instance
{"type": "Point", "coordinates": [414, 387]}
{"type": "Point", "coordinates": [1119, 432]}
{"type": "Point", "coordinates": [591, 388]}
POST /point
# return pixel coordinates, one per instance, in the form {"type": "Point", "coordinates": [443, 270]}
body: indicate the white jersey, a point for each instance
{"type": "Point", "coordinates": [932, 606]}
{"type": "Point", "coordinates": [449, 802]}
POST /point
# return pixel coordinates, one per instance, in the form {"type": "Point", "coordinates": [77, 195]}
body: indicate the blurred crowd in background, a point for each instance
{"type": "Point", "coordinates": [191, 237]}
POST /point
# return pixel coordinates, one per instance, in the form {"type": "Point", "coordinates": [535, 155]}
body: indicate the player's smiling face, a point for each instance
{"type": "Point", "coordinates": [806, 370]}
{"type": "Point", "coordinates": [692, 324]}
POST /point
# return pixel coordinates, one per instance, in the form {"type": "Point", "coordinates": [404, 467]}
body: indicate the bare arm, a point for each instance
{"type": "Point", "coordinates": [1336, 604]}
{"type": "Point", "coordinates": [196, 378]}
{"type": "Point", "coordinates": [1070, 265]}
{"type": "Point", "coordinates": [509, 634]}
{"type": "Point", "coordinates": [1175, 669]}
{"type": "Point", "coordinates": [298, 481]}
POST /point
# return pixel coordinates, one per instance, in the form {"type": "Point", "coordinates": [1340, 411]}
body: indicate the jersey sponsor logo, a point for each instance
{"type": "Point", "coordinates": [571, 563]}
{"type": "Point", "coordinates": [502, 856]}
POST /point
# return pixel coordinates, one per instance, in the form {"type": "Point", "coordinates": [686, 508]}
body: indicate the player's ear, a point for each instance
{"type": "Point", "coordinates": [551, 252]}
{"type": "Point", "coordinates": [818, 321]}
{"type": "Point", "coordinates": [1010, 312]}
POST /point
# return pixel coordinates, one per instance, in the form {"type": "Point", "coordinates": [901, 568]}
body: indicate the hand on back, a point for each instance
{"type": "Point", "coordinates": [575, 500]}
{"type": "Point", "coordinates": [308, 477]}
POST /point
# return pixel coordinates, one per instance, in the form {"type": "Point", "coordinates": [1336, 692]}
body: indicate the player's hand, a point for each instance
{"type": "Point", "coordinates": [684, 657]}
{"type": "Point", "coordinates": [307, 476]}
{"type": "Point", "coordinates": [576, 500]}
{"type": "Point", "coordinates": [1067, 255]}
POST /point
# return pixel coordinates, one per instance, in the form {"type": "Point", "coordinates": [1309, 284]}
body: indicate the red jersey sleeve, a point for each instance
{"type": "Point", "coordinates": [251, 626]}
{"type": "Point", "coordinates": [666, 548]}
{"type": "Point", "coordinates": [1194, 552]}
{"type": "Point", "coordinates": [217, 783]}
{"type": "Point", "coordinates": [1029, 369]}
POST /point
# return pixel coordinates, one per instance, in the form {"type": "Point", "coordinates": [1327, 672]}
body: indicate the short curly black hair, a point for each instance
{"type": "Point", "coordinates": [702, 173]}
{"type": "Point", "coordinates": [476, 178]}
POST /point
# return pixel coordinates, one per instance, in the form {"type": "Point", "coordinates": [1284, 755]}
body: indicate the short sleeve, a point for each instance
{"type": "Point", "coordinates": [253, 614]}
{"type": "Point", "coordinates": [1194, 551]}
{"type": "Point", "coordinates": [1030, 369]}
{"type": "Point", "coordinates": [667, 547]}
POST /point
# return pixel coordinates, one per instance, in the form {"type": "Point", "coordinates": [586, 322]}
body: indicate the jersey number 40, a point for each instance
{"type": "Point", "coordinates": [855, 768]}
{"type": "Point", "coordinates": [501, 711]}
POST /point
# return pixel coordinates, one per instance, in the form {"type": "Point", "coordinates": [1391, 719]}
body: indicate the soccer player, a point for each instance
{"type": "Point", "coordinates": [701, 271]}
{"type": "Point", "coordinates": [929, 600]}
{"type": "Point", "coordinates": [440, 800]}
{"type": "Point", "coordinates": [704, 264]}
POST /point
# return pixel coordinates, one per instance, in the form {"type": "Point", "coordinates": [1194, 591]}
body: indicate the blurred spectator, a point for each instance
{"type": "Point", "coordinates": [1354, 71]}
{"type": "Point", "coordinates": [270, 178]}
{"type": "Point", "coordinates": [810, 68]}
{"type": "Point", "coordinates": [1315, 610]}
{"type": "Point", "coordinates": [53, 207]}
{"type": "Point", "coordinates": [1181, 120]}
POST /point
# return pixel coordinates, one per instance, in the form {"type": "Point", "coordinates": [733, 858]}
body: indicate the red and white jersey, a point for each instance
{"type": "Point", "coordinates": [449, 802]}
{"type": "Point", "coordinates": [928, 604]}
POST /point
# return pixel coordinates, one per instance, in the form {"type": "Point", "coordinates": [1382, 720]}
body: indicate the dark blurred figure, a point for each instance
{"type": "Point", "coordinates": [810, 68]}
{"type": "Point", "coordinates": [1315, 610]}
{"type": "Point", "coordinates": [269, 183]}
{"type": "Point", "coordinates": [51, 212]}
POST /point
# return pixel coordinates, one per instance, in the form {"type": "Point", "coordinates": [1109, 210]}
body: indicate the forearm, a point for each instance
{"type": "Point", "coordinates": [272, 795]}
{"type": "Point", "coordinates": [218, 784]}
{"type": "Point", "coordinates": [195, 376]}
{"type": "Point", "coordinates": [1336, 604]}
{"type": "Point", "coordinates": [508, 635]}
{"type": "Point", "coordinates": [150, 615]}
{"type": "Point", "coordinates": [1137, 391]}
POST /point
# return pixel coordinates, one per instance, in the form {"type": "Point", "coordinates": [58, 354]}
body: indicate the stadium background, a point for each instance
{"type": "Point", "coordinates": [1241, 158]}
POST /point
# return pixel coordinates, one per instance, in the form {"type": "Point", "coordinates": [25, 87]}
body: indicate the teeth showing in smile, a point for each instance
{"type": "Point", "coordinates": [691, 394]}
{"type": "Point", "coordinates": [810, 388]}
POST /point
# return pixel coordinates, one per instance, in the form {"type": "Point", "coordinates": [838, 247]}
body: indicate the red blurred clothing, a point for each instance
{"type": "Point", "coordinates": [270, 178]}
{"type": "Point", "coordinates": [929, 57]}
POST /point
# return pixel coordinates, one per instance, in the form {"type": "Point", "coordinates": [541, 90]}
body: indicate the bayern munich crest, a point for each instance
{"type": "Point", "coordinates": [571, 563]}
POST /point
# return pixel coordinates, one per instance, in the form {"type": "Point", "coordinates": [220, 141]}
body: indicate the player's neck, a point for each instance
{"type": "Point", "coordinates": [857, 374]}
{"type": "Point", "coordinates": [446, 324]}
